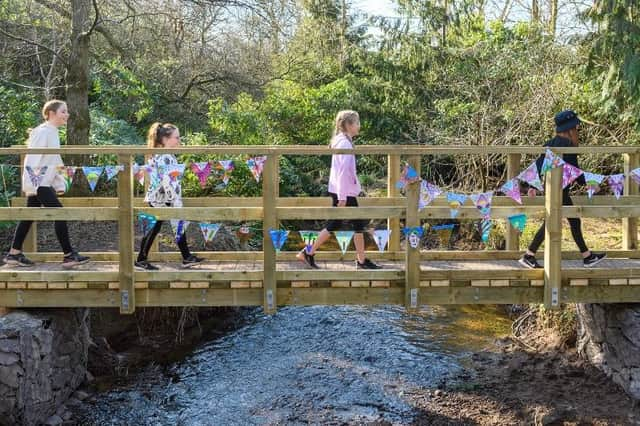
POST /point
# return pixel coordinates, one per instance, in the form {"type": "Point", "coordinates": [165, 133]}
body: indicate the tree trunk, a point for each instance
{"type": "Point", "coordinates": [535, 11]}
{"type": "Point", "coordinates": [553, 18]}
{"type": "Point", "coordinates": [77, 78]}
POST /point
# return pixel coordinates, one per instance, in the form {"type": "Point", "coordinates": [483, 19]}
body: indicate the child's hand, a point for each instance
{"type": "Point", "coordinates": [342, 203]}
{"type": "Point", "coordinates": [531, 192]}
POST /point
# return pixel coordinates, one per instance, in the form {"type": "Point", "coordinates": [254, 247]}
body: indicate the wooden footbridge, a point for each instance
{"type": "Point", "coordinates": [411, 277]}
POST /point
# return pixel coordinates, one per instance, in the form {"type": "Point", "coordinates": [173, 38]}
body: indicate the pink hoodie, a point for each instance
{"type": "Point", "coordinates": [343, 180]}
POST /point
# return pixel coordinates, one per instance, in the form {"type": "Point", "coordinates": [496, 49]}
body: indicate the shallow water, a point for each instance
{"type": "Point", "coordinates": [302, 365]}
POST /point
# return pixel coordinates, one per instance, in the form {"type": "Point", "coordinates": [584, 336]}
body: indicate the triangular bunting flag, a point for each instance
{"type": "Point", "coordinates": [444, 233]}
{"type": "Point", "coordinates": [428, 192]}
{"type": "Point", "coordinates": [179, 227]}
{"type": "Point", "coordinates": [256, 165]}
{"type": "Point", "coordinates": [93, 175]}
{"type": "Point", "coordinates": [112, 171]}
{"type": "Point", "coordinates": [209, 231]}
{"type": "Point", "coordinates": [482, 202]}
{"type": "Point", "coordinates": [485, 228]}
{"type": "Point", "coordinates": [202, 170]}
{"type": "Point", "coordinates": [518, 221]}
{"type": "Point", "coordinates": [36, 174]}
{"type": "Point", "coordinates": [455, 201]}
{"type": "Point", "coordinates": [551, 161]}
{"type": "Point", "coordinates": [635, 175]}
{"type": "Point", "coordinates": [531, 176]}
{"type": "Point", "coordinates": [413, 235]}
{"type": "Point", "coordinates": [408, 175]}
{"type": "Point", "coordinates": [278, 238]}
{"type": "Point", "coordinates": [66, 173]}
{"type": "Point", "coordinates": [616, 183]}
{"type": "Point", "coordinates": [309, 237]}
{"type": "Point", "coordinates": [147, 222]}
{"type": "Point", "coordinates": [593, 181]}
{"type": "Point", "coordinates": [344, 239]}
{"type": "Point", "coordinates": [227, 167]}
{"type": "Point", "coordinates": [569, 174]}
{"type": "Point", "coordinates": [382, 238]}
{"type": "Point", "coordinates": [512, 190]}
{"type": "Point", "coordinates": [175, 171]}
{"type": "Point", "coordinates": [138, 173]}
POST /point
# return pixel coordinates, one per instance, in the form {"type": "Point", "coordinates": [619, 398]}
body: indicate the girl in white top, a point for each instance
{"type": "Point", "coordinates": [42, 183]}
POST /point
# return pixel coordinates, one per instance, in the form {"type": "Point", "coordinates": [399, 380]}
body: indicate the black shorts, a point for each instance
{"type": "Point", "coordinates": [357, 225]}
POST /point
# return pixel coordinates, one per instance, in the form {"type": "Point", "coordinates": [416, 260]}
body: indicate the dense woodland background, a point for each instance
{"type": "Point", "coordinates": [276, 72]}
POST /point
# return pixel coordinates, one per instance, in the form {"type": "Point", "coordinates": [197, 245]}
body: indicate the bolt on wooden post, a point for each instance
{"type": "Point", "coordinates": [553, 238]}
{"type": "Point", "coordinates": [270, 183]}
{"type": "Point", "coordinates": [412, 256]}
{"type": "Point", "coordinates": [126, 234]}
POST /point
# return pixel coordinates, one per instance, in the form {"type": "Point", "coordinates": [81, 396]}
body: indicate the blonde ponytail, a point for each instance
{"type": "Point", "coordinates": [343, 118]}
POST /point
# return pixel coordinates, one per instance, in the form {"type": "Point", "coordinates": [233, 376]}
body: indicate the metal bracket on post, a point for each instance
{"type": "Point", "coordinates": [124, 300]}
{"type": "Point", "coordinates": [270, 305]}
{"type": "Point", "coordinates": [414, 298]}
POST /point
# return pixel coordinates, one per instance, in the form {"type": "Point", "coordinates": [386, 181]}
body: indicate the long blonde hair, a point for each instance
{"type": "Point", "coordinates": [343, 118]}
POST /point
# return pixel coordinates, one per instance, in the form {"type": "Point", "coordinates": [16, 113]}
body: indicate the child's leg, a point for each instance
{"type": "Point", "coordinates": [147, 241]}
{"type": "Point", "coordinates": [576, 232]}
{"type": "Point", "coordinates": [323, 236]}
{"type": "Point", "coordinates": [184, 247]}
{"type": "Point", "coordinates": [48, 198]}
{"type": "Point", "coordinates": [537, 241]}
{"type": "Point", "coordinates": [23, 227]}
{"type": "Point", "coordinates": [358, 241]}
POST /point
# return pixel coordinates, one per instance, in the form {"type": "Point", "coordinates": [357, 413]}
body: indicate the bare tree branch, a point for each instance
{"type": "Point", "coordinates": [34, 43]}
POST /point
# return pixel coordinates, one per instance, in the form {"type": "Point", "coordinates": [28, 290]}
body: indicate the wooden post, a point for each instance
{"type": "Point", "coordinates": [30, 244]}
{"type": "Point", "coordinates": [553, 239]}
{"type": "Point", "coordinates": [412, 256]}
{"type": "Point", "coordinates": [270, 182]}
{"type": "Point", "coordinates": [512, 236]}
{"type": "Point", "coordinates": [126, 234]}
{"type": "Point", "coordinates": [393, 223]}
{"type": "Point", "coordinates": [630, 224]}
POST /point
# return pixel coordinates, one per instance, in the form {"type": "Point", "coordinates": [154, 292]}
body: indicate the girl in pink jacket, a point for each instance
{"type": "Point", "coordinates": [344, 187]}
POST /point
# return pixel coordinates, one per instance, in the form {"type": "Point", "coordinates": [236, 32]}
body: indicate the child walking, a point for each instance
{"type": "Point", "coordinates": [567, 124]}
{"type": "Point", "coordinates": [164, 192]}
{"type": "Point", "coordinates": [344, 187]}
{"type": "Point", "coordinates": [42, 183]}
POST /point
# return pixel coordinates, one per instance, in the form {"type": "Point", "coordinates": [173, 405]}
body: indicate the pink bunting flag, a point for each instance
{"type": "Point", "coordinates": [593, 181]}
{"type": "Point", "coordinates": [202, 170]}
{"type": "Point", "coordinates": [256, 165]}
{"type": "Point", "coordinates": [616, 183]}
{"type": "Point", "coordinates": [531, 176]}
{"type": "Point", "coordinates": [512, 190]}
{"type": "Point", "coordinates": [569, 174]}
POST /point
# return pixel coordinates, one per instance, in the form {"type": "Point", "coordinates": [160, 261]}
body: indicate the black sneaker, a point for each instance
{"type": "Point", "coordinates": [307, 258]}
{"type": "Point", "coordinates": [593, 259]}
{"type": "Point", "coordinates": [74, 259]}
{"type": "Point", "coordinates": [367, 264]}
{"type": "Point", "coordinates": [144, 265]}
{"type": "Point", "coordinates": [18, 260]}
{"type": "Point", "coordinates": [529, 261]}
{"type": "Point", "coordinates": [191, 260]}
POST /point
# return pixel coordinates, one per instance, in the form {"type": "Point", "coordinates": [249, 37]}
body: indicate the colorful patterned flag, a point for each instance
{"type": "Point", "coordinates": [179, 227]}
{"type": "Point", "coordinates": [551, 161]}
{"type": "Point", "coordinates": [344, 239]}
{"type": "Point", "coordinates": [309, 237]}
{"type": "Point", "coordinates": [256, 165]}
{"type": "Point", "coordinates": [512, 190]}
{"type": "Point", "coordinates": [485, 229]}
{"type": "Point", "coordinates": [531, 176]}
{"type": "Point", "coordinates": [635, 175]}
{"type": "Point", "coordinates": [382, 237]}
{"type": "Point", "coordinates": [175, 171]}
{"type": "Point", "coordinates": [36, 174]}
{"type": "Point", "coordinates": [408, 175]}
{"type": "Point", "coordinates": [455, 202]}
{"type": "Point", "coordinates": [616, 183]}
{"type": "Point", "coordinates": [444, 233]}
{"type": "Point", "coordinates": [112, 171]}
{"type": "Point", "coordinates": [278, 238]}
{"type": "Point", "coordinates": [413, 235]}
{"type": "Point", "coordinates": [146, 222]}
{"type": "Point", "coordinates": [66, 173]}
{"type": "Point", "coordinates": [227, 167]}
{"type": "Point", "coordinates": [482, 202]}
{"type": "Point", "coordinates": [93, 175]}
{"type": "Point", "coordinates": [202, 170]}
{"type": "Point", "coordinates": [428, 193]}
{"type": "Point", "coordinates": [518, 221]}
{"type": "Point", "coordinates": [209, 231]}
{"type": "Point", "coordinates": [138, 173]}
{"type": "Point", "coordinates": [593, 181]}
{"type": "Point", "coordinates": [569, 174]}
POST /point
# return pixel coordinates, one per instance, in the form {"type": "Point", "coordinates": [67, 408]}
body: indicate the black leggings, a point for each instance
{"type": "Point", "coordinates": [574, 223]}
{"type": "Point", "coordinates": [45, 197]}
{"type": "Point", "coordinates": [148, 239]}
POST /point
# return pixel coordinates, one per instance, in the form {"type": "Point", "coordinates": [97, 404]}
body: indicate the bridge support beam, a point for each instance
{"type": "Point", "coordinates": [412, 257]}
{"type": "Point", "coordinates": [553, 238]}
{"type": "Point", "coordinates": [270, 182]}
{"type": "Point", "coordinates": [126, 233]}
